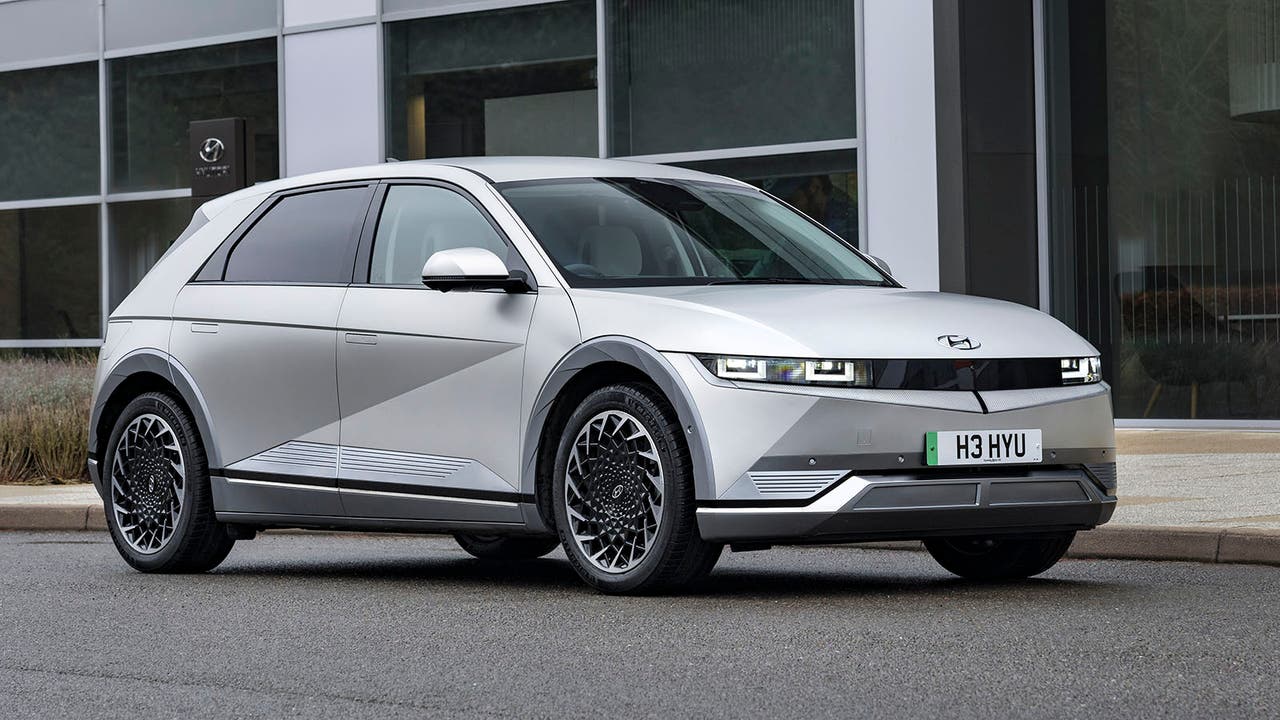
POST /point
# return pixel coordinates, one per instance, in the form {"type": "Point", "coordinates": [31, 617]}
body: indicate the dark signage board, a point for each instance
{"type": "Point", "coordinates": [221, 157]}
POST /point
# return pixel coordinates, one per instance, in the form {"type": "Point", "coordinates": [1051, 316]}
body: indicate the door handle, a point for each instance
{"type": "Point", "coordinates": [205, 328]}
{"type": "Point", "coordinates": [361, 338]}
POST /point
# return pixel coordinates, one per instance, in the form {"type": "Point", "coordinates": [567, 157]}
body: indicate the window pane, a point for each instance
{"type": "Point", "coordinates": [823, 186]}
{"type": "Point", "coordinates": [153, 97]}
{"type": "Point", "coordinates": [49, 273]}
{"type": "Point", "coordinates": [697, 75]}
{"type": "Point", "coordinates": [418, 221]}
{"type": "Point", "coordinates": [623, 232]}
{"type": "Point", "coordinates": [140, 233]}
{"type": "Point", "coordinates": [49, 120]}
{"type": "Point", "coordinates": [1164, 150]}
{"type": "Point", "coordinates": [303, 238]}
{"type": "Point", "coordinates": [519, 81]}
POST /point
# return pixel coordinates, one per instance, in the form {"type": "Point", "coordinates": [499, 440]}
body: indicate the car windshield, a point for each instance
{"type": "Point", "coordinates": [626, 232]}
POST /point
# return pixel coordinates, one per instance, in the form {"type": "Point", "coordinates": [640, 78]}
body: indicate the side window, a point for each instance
{"type": "Point", "coordinates": [418, 220]}
{"type": "Point", "coordinates": [306, 238]}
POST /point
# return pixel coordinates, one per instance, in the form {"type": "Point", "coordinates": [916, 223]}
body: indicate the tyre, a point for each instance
{"type": "Point", "coordinates": [158, 502]}
{"type": "Point", "coordinates": [505, 547]}
{"type": "Point", "coordinates": [623, 495]}
{"type": "Point", "coordinates": [996, 558]}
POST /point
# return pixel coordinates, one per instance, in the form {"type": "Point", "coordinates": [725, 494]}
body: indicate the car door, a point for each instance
{"type": "Point", "coordinates": [255, 330]}
{"type": "Point", "coordinates": [429, 382]}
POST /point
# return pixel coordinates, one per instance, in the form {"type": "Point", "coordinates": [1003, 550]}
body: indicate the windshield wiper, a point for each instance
{"type": "Point", "coordinates": [780, 281]}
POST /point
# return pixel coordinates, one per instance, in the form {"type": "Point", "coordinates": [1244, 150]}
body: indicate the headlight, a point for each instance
{"type": "Point", "coordinates": [1079, 371]}
{"type": "Point", "coordinates": [837, 373]}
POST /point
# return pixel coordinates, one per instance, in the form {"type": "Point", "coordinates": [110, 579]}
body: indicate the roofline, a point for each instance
{"type": "Point", "coordinates": [506, 169]}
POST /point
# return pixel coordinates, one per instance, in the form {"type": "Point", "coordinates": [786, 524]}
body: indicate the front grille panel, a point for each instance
{"type": "Point", "coordinates": [964, 374]}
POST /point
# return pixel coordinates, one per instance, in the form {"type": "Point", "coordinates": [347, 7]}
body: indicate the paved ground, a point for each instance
{"type": "Point", "coordinates": [363, 626]}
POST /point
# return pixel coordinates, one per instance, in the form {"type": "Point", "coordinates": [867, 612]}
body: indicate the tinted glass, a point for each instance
{"type": "Point", "coordinates": [615, 232]}
{"type": "Point", "coordinates": [701, 74]}
{"type": "Point", "coordinates": [419, 220]}
{"type": "Point", "coordinates": [1164, 206]}
{"type": "Point", "coordinates": [141, 232]}
{"type": "Point", "coordinates": [154, 97]}
{"type": "Point", "coordinates": [823, 185]}
{"type": "Point", "coordinates": [516, 81]}
{"type": "Point", "coordinates": [49, 273]}
{"type": "Point", "coordinates": [49, 122]}
{"type": "Point", "coordinates": [308, 238]}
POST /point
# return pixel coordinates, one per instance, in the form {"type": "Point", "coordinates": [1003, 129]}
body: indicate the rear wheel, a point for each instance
{"type": "Point", "coordinates": [624, 497]}
{"type": "Point", "coordinates": [997, 558]}
{"type": "Point", "coordinates": [505, 547]}
{"type": "Point", "coordinates": [159, 505]}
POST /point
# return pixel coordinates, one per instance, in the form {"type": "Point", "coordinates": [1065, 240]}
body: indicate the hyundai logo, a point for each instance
{"type": "Point", "coordinates": [959, 342]}
{"type": "Point", "coordinates": [211, 150]}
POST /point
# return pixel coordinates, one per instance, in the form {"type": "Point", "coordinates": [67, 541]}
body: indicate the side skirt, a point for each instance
{"type": "Point", "coordinates": [368, 524]}
{"type": "Point", "coordinates": [302, 499]}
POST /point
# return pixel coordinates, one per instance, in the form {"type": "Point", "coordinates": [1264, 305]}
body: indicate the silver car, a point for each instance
{"type": "Point", "coordinates": [639, 363]}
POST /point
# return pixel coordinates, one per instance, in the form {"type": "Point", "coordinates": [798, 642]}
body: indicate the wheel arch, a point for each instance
{"type": "Point", "coordinates": [591, 365]}
{"type": "Point", "coordinates": [144, 371]}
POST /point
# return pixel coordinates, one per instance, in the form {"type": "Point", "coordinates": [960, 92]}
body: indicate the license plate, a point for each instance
{"type": "Point", "coordinates": [980, 447]}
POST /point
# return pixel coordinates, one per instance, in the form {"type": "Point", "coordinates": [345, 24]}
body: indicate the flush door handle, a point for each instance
{"type": "Point", "coordinates": [354, 338]}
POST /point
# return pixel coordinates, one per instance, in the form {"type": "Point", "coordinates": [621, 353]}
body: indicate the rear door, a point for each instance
{"type": "Point", "coordinates": [430, 382]}
{"type": "Point", "coordinates": [256, 332]}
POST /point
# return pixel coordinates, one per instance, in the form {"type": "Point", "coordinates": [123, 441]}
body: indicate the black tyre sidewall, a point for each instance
{"type": "Point", "coordinates": [195, 482]}
{"type": "Point", "coordinates": [1008, 559]}
{"type": "Point", "coordinates": [506, 547]}
{"type": "Point", "coordinates": [677, 486]}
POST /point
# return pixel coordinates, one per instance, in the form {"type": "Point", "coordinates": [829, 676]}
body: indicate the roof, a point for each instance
{"type": "Point", "coordinates": [494, 169]}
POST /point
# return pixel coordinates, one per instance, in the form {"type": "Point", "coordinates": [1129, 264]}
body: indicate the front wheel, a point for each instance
{"type": "Point", "coordinates": [623, 494]}
{"type": "Point", "coordinates": [159, 505]}
{"type": "Point", "coordinates": [997, 558]}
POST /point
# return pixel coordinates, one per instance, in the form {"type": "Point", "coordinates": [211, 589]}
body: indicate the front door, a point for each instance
{"type": "Point", "coordinates": [429, 382]}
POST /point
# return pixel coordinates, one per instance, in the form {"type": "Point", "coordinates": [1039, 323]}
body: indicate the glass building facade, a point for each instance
{"type": "Point", "coordinates": [1112, 162]}
{"type": "Point", "coordinates": [1164, 151]}
{"type": "Point", "coordinates": [94, 175]}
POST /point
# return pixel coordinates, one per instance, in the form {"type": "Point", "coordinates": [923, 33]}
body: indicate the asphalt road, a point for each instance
{"type": "Point", "coordinates": [330, 626]}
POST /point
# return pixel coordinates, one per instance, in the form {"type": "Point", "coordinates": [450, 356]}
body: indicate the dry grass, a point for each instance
{"type": "Point", "coordinates": [44, 419]}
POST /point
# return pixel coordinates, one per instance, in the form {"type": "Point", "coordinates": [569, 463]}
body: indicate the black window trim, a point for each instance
{"type": "Point", "coordinates": [363, 268]}
{"type": "Point", "coordinates": [214, 269]}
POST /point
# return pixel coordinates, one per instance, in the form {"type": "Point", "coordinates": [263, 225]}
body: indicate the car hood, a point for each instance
{"type": "Point", "coordinates": [822, 321]}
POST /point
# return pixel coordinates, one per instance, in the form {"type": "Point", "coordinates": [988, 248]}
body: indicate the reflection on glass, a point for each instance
{"type": "Point", "coordinates": [49, 126]}
{"type": "Point", "coordinates": [49, 273]}
{"type": "Point", "coordinates": [153, 97]}
{"type": "Point", "coordinates": [518, 81]}
{"type": "Point", "coordinates": [140, 233]}
{"type": "Point", "coordinates": [1165, 206]}
{"type": "Point", "coordinates": [823, 186]}
{"type": "Point", "coordinates": [697, 74]}
{"type": "Point", "coordinates": [626, 232]}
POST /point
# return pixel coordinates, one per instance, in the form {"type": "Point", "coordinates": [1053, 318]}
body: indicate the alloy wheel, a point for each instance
{"type": "Point", "coordinates": [147, 478]}
{"type": "Point", "coordinates": [614, 491]}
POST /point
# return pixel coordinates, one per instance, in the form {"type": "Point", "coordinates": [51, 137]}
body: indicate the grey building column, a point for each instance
{"type": "Point", "coordinates": [986, 121]}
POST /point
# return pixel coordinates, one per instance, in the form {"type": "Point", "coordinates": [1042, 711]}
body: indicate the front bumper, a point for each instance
{"type": "Point", "coordinates": [911, 506]}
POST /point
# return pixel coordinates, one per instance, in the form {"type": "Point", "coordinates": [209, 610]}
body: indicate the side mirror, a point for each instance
{"type": "Point", "coordinates": [880, 263]}
{"type": "Point", "coordinates": [471, 268]}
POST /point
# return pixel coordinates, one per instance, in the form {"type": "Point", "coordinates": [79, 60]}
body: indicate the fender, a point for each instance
{"type": "Point", "coordinates": [159, 362]}
{"type": "Point", "coordinates": [628, 351]}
